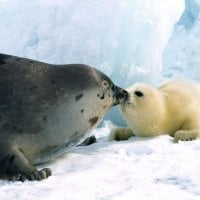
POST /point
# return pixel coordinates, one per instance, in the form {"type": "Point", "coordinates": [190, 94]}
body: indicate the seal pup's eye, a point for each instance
{"type": "Point", "coordinates": [139, 94]}
{"type": "Point", "coordinates": [105, 84]}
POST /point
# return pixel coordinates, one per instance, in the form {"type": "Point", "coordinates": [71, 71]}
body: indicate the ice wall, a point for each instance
{"type": "Point", "coordinates": [123, 38]}
{"type": "Point", "coordinates": [181, 57]}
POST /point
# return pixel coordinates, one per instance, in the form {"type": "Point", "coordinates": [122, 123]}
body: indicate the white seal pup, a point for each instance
{"type": "Point", "coordinates": [173, 109]}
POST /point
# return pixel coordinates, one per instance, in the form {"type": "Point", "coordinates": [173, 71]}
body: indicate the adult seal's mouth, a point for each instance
{"type": "Point", "coordinates": [120, 95]}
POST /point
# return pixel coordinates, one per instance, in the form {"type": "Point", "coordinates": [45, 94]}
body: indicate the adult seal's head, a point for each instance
{"type": "Point", "coordinates": [46, 109]}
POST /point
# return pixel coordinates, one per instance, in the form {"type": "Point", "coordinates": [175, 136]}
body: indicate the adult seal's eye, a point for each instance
{"type": "Point", "coordinates": [105, 84]}
{"type": "Point", "coordinates": [139, 94]}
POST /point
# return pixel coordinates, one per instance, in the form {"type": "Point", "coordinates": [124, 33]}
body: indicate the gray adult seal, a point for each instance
{"type": "Point", "coordinates": [47, 109]}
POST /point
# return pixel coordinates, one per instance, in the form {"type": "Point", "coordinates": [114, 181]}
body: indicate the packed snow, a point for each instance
{"type": "Point", "coordinates": [150, 169]}
{"type": "Point", "coordinates": [131, 41]}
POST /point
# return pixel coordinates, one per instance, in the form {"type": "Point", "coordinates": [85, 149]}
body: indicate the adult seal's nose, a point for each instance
{"type": "Point", "coordinates": [120, 95]}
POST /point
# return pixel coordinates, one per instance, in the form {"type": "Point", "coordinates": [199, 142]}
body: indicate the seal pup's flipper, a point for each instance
{"type": "Point", "coordinates": [120, 133]}
{"type": "Point", "coordinates": [186, 135]}
{"type": "Point", "coordinates": [14, 166]}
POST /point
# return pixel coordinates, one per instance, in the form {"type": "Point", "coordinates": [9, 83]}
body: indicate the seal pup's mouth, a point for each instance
{"type": "Point", "coordinates": [120, 95]}
{"type": "Point", "coordinates": [129, 100]}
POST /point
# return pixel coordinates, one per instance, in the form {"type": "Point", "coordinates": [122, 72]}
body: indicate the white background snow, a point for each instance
{"type": "Point", "coordinates": [130, 40]}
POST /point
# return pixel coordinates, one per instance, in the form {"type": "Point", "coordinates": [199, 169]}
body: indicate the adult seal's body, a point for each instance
{"type": "Point", "coordinates": [46, 109]}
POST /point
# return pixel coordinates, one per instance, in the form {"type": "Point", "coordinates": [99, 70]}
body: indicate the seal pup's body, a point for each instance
{"type": "Point", "coordinates": [173, 109]}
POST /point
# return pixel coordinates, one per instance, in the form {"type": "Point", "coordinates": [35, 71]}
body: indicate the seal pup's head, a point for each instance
{"type": "Point", "coordinates": [144, 106]}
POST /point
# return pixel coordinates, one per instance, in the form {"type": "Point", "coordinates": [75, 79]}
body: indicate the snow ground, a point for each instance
{"type": "Point", "coordinates": [145, 169]}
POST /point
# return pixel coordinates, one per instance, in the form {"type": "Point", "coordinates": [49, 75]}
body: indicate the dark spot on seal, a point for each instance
{"type": "Point", "coordinates": [82, 111]}
{"type": "Point", "coordinates": [101, 96]}
{"type": "Point", "coordinates": [78, 97]}
{"type": "Point", "coordinates": [93, 121]}
{"type": "Point", "coordinates": [30, 61]}
{"type": "Point", "coordinates": [44, 118]}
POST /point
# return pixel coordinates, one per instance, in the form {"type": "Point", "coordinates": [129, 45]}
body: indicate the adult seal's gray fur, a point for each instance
{"type": "Point", "coordinates": [45, 110]}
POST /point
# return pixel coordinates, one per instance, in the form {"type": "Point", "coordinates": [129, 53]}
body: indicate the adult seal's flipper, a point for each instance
{"type": "Point", "coordinates": [14, 166]}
